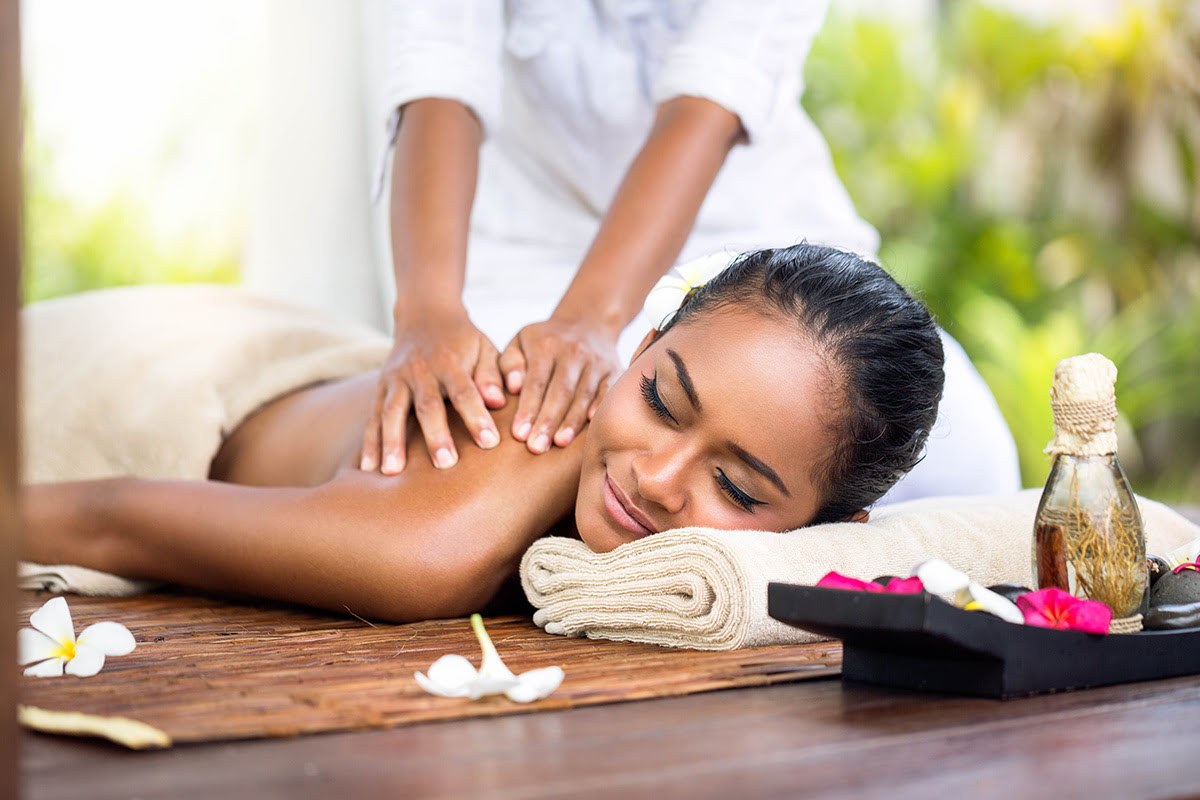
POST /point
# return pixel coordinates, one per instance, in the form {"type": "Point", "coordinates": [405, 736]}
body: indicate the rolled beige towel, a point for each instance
{"type": "Point", "coordinates": [707, 589]}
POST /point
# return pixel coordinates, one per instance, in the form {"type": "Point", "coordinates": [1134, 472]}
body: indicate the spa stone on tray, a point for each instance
{"type": "Point", "coordinates": [1157, 567]}
{"type": "Point", "coordinates": [1176, 588]}
{"type": "Point", "coordinates": [1010, 591]}
{"type": "Point", "coordinates": [1184, 615]}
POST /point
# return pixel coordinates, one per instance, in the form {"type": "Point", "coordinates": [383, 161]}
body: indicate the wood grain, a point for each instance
{"type": "Point", "coordinates": [206, 669]}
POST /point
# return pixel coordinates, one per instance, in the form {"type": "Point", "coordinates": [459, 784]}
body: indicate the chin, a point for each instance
{"type": "Point", "coordinates": [589, 520]}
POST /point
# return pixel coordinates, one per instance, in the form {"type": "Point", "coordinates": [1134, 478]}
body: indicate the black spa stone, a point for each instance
{"type": "Point", "coordinates": [882, 580]}
{"type": "Point", "coordinates": [1158, 567]}
{"type": "Point", "coordinates": [1176, 589]}
{"type": "Point", "coordinates": [1160, 618]}
{"type": "Point", "coordinates": [1009, 591]}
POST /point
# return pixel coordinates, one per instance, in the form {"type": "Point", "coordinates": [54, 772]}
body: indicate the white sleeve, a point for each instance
{"type": "Point", "coordinates": [444, 48]}
{"type": "Point", "coordinates": [740, 55]}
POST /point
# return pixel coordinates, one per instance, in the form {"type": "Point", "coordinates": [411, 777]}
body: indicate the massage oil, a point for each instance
{"type": "Point", "coordinates": [1088, 536]}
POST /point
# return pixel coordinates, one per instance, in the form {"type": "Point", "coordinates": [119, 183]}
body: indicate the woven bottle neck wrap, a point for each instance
{"type": "Point", "coordinates": [1084, 406]}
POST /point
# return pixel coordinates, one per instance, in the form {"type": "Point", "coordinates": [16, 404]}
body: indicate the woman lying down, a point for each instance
{"type": "Point", "coordinates": [796, 387]}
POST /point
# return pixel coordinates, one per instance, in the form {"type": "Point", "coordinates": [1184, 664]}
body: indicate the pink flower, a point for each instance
{"type": "Point", "coordinates": [1054, 608]}
{"type": "Point", "coordinates": [833, 580]}
{"type": "Point", "coordinates": [911, 585]}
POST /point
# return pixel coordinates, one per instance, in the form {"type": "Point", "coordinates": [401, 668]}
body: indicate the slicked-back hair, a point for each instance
{"type": "Point", "coordinates": [879, 343]}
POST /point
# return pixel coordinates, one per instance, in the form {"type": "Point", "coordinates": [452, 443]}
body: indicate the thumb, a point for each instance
{"type": "Point", "coordinates": [512, 365]}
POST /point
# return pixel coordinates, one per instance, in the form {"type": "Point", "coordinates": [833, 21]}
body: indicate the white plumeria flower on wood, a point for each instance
{"type": "Point", "coordinates": [667, 296]}
{"type": "Point", "coordinates": [453, 675]}
{"type": "Point", "coordinates": [51, 643]}
{"type": "Point", "coordinates": [940, 578]}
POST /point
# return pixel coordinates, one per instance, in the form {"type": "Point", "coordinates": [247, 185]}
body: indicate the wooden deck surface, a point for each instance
{"type": "Point", "coordinates": [814, 739]}
{"type": "Point", "coordinates": [821, 738]}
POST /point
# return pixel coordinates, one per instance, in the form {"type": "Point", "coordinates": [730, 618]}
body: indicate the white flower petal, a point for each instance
{"type": "Point", "coordinates": [439, 690]}
{"type": "Point", "coordinates": [940, 578]}
{"type": "Point", "coordinates": [50, 668]}
{"type": "Point", "coordinates": [449, 676]}
{"type": "Point", "coordinates": [1184, 554]}
{"type": "Point", "coordinates": [87, 661]}
{"type": "Point", "coordinates": [54, 620]}
{"type": "Point", "coordinates": [110, 638]}
{"type": "Point", "coordinates": [535, 684]}
{"type": "Point", "coordinates": [35, 646]}
{"type": "Point", "coordinates": [702, 270]}
{"type": "Point", "coordinates": [996, 604]}
{"type": "Point", "coordinates": [664, 301]}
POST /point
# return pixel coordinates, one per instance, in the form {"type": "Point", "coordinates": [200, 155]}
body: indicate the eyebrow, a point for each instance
{"type": "Point", "coordinates": [689, 388]}
{"type": "Point", "coordinates": [685, 380]}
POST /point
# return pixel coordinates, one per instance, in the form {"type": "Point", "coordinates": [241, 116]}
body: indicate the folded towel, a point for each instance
{"type": "Point", "coordinates": [707, 589]}
{"type": "Point", "coordinates": [149, 380]}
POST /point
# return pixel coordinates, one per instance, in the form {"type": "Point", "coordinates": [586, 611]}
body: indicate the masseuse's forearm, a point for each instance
{"type": "Point", "coordinates": [652, 214]}
{"type": "Point", "coordinates": [434, 172]}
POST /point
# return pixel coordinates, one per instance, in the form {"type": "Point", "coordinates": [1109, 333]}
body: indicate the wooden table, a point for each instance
{"type": "Point", "coordinates": [820, 738]}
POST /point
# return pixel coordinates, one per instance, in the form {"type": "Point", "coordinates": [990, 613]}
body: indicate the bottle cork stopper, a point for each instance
{"type": "Point", "coordinates": [1084, 405]}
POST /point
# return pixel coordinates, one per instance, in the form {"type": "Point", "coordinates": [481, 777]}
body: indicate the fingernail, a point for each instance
{"type": "Point", "coordinates": [391, 464]}
{"type": "Point", "coordinates": [488, 438]}
{"type": "Point", "coordinates": [444, 459]}
{"type": "Point", "coordinates": [541, 443]}
{"type": "Point", "coordinates": [523, 430]}
{"type": "Point", "coordinates": [564, 437]}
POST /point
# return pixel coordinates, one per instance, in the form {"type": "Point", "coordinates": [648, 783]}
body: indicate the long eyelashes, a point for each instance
{"type": "Point", "coordinates": [739, 498]}
{"type": "Point", "coordinates": [735, 494]}
{"type": "Point", "coordinates": [650, 393]}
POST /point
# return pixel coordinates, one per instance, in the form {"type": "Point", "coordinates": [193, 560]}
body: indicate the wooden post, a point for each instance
{"type": "Point", "coordinates": [10, 255]}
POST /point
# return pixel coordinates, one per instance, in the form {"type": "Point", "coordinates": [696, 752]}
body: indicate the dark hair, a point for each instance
{"type": "Point", "coordinates": [881, 346]}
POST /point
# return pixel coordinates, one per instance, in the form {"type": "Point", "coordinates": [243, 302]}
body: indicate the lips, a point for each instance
{"type": "Point", "coordinates": [623, 511]}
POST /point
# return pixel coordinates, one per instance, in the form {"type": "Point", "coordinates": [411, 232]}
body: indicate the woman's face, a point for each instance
{"type": "Point", "coordinates": [720, 422]}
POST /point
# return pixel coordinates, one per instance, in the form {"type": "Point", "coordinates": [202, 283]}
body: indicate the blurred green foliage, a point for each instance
{"type": "Point", "coordinates": [1039, 186]}
{"type": "Point", "coordinates": [71, 248]}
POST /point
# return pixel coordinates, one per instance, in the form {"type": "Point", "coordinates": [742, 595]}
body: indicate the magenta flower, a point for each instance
{"type": "Point", "coordinates": [1054, 608]}
{"type": "Point", "coordinates": [833, 580]}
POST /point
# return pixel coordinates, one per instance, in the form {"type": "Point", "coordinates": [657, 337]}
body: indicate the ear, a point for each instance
{"type": "Point", "coordinates": [646, 342]}
{"type": "Point", "coordinates": [862, 515]}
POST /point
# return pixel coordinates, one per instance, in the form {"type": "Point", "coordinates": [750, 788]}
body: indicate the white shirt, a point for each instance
{"type": "Point", "coordinates": [566, 91]}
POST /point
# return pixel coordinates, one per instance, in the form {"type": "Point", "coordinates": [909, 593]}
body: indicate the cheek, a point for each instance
{"type": "Point", "coordinates": [620, 419]}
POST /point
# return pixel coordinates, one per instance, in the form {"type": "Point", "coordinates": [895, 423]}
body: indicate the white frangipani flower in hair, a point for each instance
{"type": "Point", "coordinates": [668, 294]}
{"type": "Point", "coordinates": [454, 676]}
{"type": "Point", "coordinates": [51, 647]}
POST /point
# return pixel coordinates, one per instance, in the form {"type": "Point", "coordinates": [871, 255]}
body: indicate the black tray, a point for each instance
{"type": "Point", "coordinates": [919, 641]}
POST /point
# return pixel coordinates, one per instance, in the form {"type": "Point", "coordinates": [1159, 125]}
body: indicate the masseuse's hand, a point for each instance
{"type": "Point", "coordinates": [437, 354]}
{"type": "Point", "coordinates": [562, 370]}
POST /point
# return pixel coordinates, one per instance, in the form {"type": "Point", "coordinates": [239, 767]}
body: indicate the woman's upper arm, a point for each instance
{"type": "Point", "coordinates": [355, 544]}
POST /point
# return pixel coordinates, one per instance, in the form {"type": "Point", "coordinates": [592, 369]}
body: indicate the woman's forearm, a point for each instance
{"type": "Point", "coordinates": [434, 172]}
{"type": "Point", "coordinates": [652, 213]}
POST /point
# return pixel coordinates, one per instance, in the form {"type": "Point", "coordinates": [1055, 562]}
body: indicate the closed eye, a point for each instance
{"type": "Point", "coordinates": [740, 498]}
{"type": "Point", "coordinates": [650, 393]}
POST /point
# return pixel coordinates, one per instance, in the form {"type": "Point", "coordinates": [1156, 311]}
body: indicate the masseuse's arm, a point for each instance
{"type": "Point", "coordinates": [562, 366]}
{"type": "Point", "coordinates": [437, 352]}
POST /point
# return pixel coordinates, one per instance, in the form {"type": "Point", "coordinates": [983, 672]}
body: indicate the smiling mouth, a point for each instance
{"type": "Point", "coordinates": [623, 511]}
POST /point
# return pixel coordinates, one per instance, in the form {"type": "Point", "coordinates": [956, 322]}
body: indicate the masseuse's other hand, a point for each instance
{"type": "Point", "coordinates": [562, 370]}
{"type": "Point", "coordinates": [437, 354]}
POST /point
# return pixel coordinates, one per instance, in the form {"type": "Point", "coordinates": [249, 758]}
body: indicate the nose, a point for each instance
{"type": "Point", "coordinates": [659, 476]}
